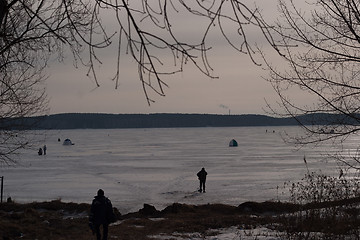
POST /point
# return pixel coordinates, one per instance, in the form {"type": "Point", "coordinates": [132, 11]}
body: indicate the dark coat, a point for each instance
{"type": "Point", "coordinates": [202, 175]}
{"type": "Point", "coordinates": [101, 211]}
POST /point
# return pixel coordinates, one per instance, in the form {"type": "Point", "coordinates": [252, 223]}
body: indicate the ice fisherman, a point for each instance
{"type": "Point", "coordinates": [44, 149]}
{"type": "Point", "coordinates": [202, 178]}
{"type": "Point", "coordinates": [101, 213]}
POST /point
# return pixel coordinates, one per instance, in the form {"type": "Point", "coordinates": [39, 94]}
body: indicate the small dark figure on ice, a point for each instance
{"type": "Point", "coordinates": [202, 177]}
{"type": "Point", "coordinates": [101, 213]}
{"type": "Point", "coordinates": [44, 149]}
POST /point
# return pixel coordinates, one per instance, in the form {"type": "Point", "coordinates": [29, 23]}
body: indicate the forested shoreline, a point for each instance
{"type": "Point", "coordinates": [166, 120]}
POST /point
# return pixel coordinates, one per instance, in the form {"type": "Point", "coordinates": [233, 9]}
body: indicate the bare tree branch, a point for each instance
{"type": "Point", "coordinates": [321, 50]}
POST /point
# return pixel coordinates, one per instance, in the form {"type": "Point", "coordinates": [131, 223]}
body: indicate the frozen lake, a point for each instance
{"type": "Point", "coordinates": [159, 166]}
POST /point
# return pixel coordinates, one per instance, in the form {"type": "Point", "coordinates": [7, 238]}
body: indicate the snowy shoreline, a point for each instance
{"type": "Point", "coordinates": [251, 220]}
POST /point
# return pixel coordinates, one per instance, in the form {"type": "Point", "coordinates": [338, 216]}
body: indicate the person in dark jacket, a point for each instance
{"type": "Point", "coordinates": [101, 213]}
{"type": "Point", "coordinates": [40, 152]}
{"type": "Point", "coordinates": [202, 177]}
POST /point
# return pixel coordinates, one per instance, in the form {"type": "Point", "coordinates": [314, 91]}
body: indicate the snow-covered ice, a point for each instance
{"type": "Point", "coordinates": [225, 234]}
{"type": "Point", "coordinates": [159, 166]}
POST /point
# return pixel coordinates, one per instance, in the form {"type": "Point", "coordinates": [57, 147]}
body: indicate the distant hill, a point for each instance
{"type": "Point", "coordinates": [166, 120]}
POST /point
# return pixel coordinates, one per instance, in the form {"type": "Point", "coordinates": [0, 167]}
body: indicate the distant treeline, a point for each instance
{"type": "Point", "coordinates": [162, 120]}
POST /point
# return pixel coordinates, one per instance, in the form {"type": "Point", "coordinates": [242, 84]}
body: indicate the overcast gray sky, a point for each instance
{"type": "Point", "coordinates": [239, 89]}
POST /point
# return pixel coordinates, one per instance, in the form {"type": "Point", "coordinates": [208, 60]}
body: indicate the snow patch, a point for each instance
{"type": "Point", "coordinates": [224, 234]}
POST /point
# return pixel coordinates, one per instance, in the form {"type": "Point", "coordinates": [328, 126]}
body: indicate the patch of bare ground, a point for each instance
{"type": "Point", "coordinates": [57, 220]}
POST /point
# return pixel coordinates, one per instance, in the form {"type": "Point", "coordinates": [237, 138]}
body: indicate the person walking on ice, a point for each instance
{"type": "Point", "coordinates": [202, 178]}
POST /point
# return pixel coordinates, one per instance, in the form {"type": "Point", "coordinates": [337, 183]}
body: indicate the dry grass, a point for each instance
{"type": "Point", "coordinates": [56, 220]}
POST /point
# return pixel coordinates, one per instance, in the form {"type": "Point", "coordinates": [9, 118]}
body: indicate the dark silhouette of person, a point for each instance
{"type": "Point", "coordinates": [202, 177]}
{"type": "Point", "coordinates": [101, 213]}
{"type": "Point", "coordinates": [44, 148]}
{"type": "Point", "coordinates": [40, 152]}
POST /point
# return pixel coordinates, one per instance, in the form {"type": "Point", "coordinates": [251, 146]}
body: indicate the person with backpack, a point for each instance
{"type": "Point", "coordinates": [101, 213]}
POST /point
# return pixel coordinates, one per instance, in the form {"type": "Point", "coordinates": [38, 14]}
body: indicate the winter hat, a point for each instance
{"type": "Point", "coordinates": [100, 192]}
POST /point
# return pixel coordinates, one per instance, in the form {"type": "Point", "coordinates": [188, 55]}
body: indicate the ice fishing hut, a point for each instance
{"type": "Point", "coordinates": [67, 142]}
{"type": "Point", "coordinates": [233, 143]}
